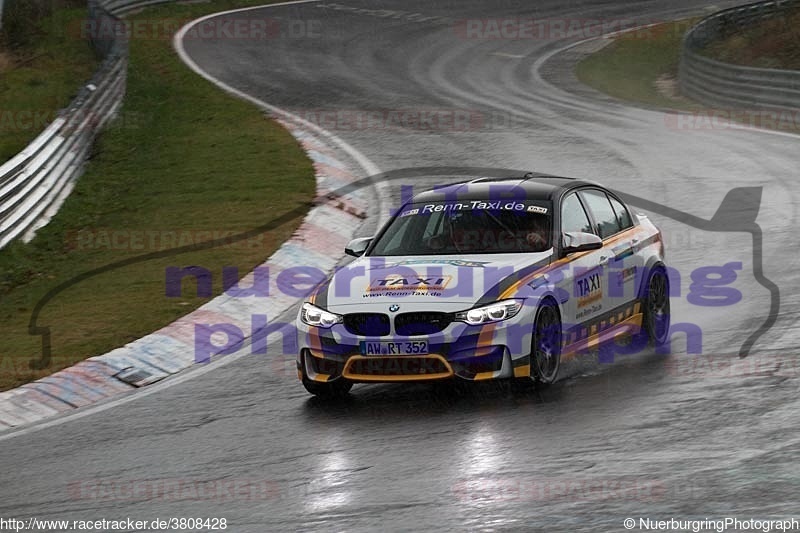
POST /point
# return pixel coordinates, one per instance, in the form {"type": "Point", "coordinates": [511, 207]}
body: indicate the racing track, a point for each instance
{"type": "Point", "coordinates": [649, 436]}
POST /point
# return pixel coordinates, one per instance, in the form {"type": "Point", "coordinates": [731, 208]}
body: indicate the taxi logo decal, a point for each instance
{"type": "Point", "coordinates": [407, 285]}
{"type": "Point", "coordinates": [588, 289]}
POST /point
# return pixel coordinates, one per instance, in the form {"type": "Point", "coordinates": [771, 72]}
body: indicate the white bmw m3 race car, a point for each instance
{"type": "Point", "coordinates": [490, 279]}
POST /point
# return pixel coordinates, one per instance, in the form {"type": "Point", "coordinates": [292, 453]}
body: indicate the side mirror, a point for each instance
{"type": "Point", "coordinates": [357, 247]}
{"type": "Point", "coordinates": [578, 241]}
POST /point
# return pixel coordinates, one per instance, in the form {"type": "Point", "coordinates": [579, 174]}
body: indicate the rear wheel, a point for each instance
{"type": "Point", "coordinates": [328, 390]}
{"type": "Point", "coordinates": [656, 306]}
{"type": "Point", "coordinates": [546, 345]}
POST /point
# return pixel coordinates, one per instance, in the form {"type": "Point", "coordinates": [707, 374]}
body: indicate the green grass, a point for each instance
{"type": "Point", "coordinates": [630, 66]}
{"type": "Point", "coordinates": [773, 43]}
{"type": "Point", "coordinates": [183, 157]}
{"type": "Point", "coordinates": [40, 77]}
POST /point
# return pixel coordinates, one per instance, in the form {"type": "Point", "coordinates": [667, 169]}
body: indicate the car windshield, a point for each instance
{"type": "Point", "coordinates": [467, 227]}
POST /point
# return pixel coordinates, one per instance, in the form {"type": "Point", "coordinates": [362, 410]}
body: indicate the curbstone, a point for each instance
{"type": "Point", "coordinates": [170, 349]}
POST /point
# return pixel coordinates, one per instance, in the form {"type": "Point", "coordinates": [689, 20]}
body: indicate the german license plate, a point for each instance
{"type": "Point", "coordinates": [394, 348]}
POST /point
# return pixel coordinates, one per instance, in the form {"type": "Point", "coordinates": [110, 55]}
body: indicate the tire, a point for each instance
{"type": "Point", "coordinates": [330, 390]}
{"type": "Point", "coordinates": [656, 310]}
{"type": "Point", "coordinates": [546, 344]}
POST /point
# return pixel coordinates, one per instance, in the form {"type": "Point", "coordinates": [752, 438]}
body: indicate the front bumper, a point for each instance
{"type": "Point", "coordinates": [474, 353]}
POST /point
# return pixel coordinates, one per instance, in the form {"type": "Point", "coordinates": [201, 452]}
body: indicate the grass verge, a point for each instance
{"type": "Point", "coordinates": [640, 66]}
{"type": "Point", "coordinates": [772, 43]}
{"type": "Point", "coordinates": [40, 77]}
{"type": "Point", "coordinates": [645, 71]}
{"type": "Point", "coordinates": [183, 160]}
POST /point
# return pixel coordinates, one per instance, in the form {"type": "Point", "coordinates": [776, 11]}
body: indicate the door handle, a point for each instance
{"type": "Point", "coordinates": [604, 259]}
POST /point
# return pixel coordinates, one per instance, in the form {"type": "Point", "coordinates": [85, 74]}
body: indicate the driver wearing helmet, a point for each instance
{"type": "Point", "coordinates": [537, 237]}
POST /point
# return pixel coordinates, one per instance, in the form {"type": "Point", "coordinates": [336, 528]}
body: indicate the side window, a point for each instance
{"type": "Point", "coordinates": [623, 216]}
{"type": "Point", "coordinates": [573, 216]}
{"type": "Point", "coordinates": [604, 216]}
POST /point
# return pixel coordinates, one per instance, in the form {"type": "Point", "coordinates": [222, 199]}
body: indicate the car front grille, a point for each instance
{"type": "Point", "coordinates": [367, 324]}
{"type": "Point", "coordinates": [421, 323]}
{"type": "Point", "coordinates": [396, 368]}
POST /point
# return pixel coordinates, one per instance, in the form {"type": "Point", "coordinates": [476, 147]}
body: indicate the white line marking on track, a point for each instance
{"type": "Point", "coordinates": [506, 54]}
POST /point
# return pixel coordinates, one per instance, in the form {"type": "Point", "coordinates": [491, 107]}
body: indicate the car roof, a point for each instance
{"type": "Point", "coordinates": [536, 187]}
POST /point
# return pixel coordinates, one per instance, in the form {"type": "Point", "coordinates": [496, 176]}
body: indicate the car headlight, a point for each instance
{"type": "Point", "coordinates": [316, 316]}
{"type": "Point", "coordinates": [494, 312]}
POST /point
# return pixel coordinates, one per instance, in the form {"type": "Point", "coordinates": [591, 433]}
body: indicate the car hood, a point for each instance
{"type": "Point", "coordinates": [465, 279]}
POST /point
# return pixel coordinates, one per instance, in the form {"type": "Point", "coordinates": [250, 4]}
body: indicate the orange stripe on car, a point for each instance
{"type": "Point", "coordinates": [627, 234]}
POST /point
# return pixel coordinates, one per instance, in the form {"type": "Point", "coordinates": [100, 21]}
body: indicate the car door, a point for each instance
{"type": "Point", "coordinates": [580, 275]}
{"type": "Point", "coordinates": [613, 223]}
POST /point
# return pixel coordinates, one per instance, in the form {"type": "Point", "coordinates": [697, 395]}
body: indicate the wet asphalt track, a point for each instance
{"type": "Point", "coordinates": [649, 435]}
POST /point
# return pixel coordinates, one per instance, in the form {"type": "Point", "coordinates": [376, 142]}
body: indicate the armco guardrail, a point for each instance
{"type": "Point", "coordinates": [35, 182]}
{"type": "Point", "coordinates": [720, 84]}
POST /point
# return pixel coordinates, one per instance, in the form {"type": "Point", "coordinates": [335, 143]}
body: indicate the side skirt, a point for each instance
{"type": "Point", "coordinates": [624, 320]}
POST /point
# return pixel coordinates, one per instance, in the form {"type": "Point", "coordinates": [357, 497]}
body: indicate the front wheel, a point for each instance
{"type": "Point", "coordinates": [328, 390]}
{"type": "Point", "coordinates": [546, 344]}
{"type": "Point", "coordinates": [656, 306]}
